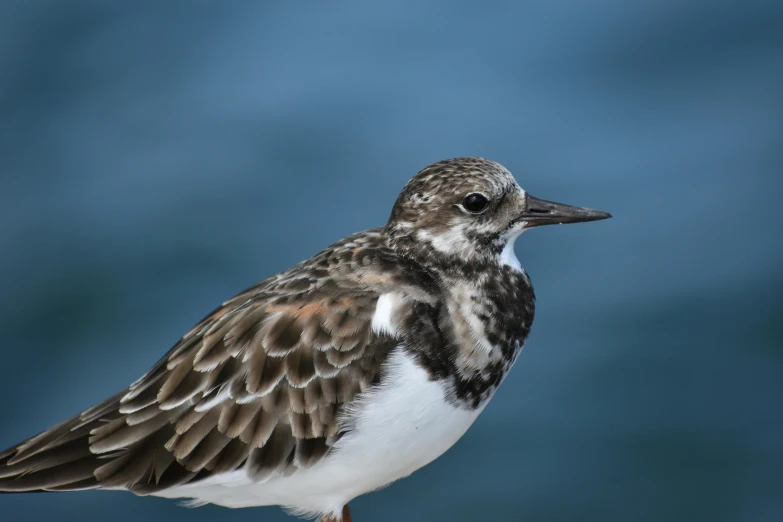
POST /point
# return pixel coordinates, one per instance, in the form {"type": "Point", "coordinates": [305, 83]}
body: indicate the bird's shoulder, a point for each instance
{"type": "Point", "coordinates": [260, 383]}
{"type": "Point", "coordinates": [275, 365]}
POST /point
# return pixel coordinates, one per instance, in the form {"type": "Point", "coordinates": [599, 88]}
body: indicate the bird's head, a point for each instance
{"type": "Point", "coordinates": [470, 210]}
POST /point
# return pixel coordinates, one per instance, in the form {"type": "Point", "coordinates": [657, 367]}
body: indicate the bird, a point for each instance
{"type": "Point", "coordinates": [331, 379]}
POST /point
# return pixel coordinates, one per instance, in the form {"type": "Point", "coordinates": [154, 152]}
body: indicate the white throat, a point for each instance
{"type": "Point", "coordinates": [508, 257]}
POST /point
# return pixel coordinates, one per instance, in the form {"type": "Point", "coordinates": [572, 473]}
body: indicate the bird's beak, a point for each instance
{"type": "Point", "coordinates": [541, 212]}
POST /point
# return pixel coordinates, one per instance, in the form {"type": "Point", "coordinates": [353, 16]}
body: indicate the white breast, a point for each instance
{"type": "Point", "coordinates": [399, 427]}
{"type": "Point", "coordinates": [395, 429]}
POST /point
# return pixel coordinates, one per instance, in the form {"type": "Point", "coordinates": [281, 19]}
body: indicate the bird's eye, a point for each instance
{"type": "Point", "coordinates": [475, 203]}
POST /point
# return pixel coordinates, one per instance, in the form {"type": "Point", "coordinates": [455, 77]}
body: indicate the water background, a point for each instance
{"type": "Point", "coordinates": [158, 157]}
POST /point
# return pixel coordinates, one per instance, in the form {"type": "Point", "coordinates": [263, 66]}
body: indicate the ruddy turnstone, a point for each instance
{"type": "Point", "coordinates": [329, 380]}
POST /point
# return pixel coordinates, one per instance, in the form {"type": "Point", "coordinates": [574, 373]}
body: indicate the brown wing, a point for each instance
{"type": "Point", "coordinates": [259, 383]}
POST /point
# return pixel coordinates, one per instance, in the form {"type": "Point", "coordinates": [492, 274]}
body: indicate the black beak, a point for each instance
{"type": "Point", "coordinates": [541, 212]}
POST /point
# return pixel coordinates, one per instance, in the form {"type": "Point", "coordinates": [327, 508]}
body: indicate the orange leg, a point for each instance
{"type": "Point", "coordinates": [346, 516]}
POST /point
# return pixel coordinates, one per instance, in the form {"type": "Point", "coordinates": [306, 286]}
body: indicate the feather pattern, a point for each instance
{"type": "Point", "coordinates": [331, 379]}
{"type": "Point", "coordinates": [258, 384]}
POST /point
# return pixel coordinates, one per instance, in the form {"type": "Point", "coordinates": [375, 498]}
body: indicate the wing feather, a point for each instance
{"type": "Point", "coordinates": [259, 383]}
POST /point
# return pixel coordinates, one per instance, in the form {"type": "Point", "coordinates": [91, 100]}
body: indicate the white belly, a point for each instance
{"type": "Point", "coordinates": [400, 426]}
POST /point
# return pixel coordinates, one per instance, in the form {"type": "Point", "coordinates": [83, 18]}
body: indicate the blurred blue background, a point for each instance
{"type": "Point", "coordinates": [157, 157]}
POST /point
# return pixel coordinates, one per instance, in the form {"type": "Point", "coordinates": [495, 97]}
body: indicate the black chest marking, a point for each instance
{"type": "Point", "coordinates": [510, 302]}
{"type": "Point", "coordinates": [505, 305]}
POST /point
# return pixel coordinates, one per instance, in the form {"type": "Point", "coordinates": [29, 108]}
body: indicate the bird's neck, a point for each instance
{"type": "Point", "coordinates": [486, 317]}
{"type": "Point", "coordinates": [488, 254]}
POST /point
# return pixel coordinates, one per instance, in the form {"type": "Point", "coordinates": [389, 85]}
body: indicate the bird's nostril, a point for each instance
{"type": "Point", "coordinates": [538, 211]}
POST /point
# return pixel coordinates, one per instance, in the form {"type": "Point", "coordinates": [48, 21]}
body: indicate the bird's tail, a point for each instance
{"type": "Point", "coordinates": [58, 459]}
{"type": "Point", "coordinates": [96, 449]}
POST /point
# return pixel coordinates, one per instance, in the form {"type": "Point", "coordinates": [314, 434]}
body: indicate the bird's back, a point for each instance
{"type": "Point", "coordinates": [259, 385]}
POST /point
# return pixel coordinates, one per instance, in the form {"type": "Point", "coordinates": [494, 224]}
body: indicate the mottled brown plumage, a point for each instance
{"type": "Point", "coordinates": [261, 380]}
{"type": "Point", "coordinates": [424, 316]}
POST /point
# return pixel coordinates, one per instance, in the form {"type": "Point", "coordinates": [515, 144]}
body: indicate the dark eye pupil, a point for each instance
{"type": "Point", "coordinates": [475, 203]}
